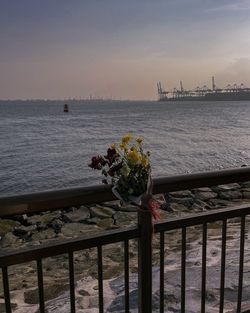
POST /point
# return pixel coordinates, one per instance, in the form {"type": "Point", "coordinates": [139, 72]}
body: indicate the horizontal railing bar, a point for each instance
{"type": "Point", "coordinates": [103, 238]}
{"type": "Point", "coordinates": [66, 246]}
{"type": "Point", "coordinates": [50, 200]}
{"type": "Point", "coordinates": [200, 218]}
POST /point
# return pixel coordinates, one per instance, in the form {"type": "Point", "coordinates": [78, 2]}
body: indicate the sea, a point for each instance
{"type": "Point", "coordinates": [42, 148]}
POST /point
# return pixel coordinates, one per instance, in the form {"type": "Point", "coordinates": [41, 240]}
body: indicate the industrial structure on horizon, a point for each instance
{"type": "Point", "coordinates": [229, 93]}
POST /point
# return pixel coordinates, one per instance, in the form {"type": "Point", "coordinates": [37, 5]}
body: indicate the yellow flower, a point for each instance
{"type": "Point", "coordinates": [126, 139]}
{"type": "Point", "coordinates": [139, 140]}
{"type": "Point", "coordinates": [122, 146]}
{"type": "Point", "coordinates": [144, 161]}
{"type": "Point", "coordinates": [133, 157]}
{"type": "Point", "coordinates": [112, 146]}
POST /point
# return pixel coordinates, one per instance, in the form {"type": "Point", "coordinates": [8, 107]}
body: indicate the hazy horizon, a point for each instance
{"type": "Point", "coordinates": [116, 49]}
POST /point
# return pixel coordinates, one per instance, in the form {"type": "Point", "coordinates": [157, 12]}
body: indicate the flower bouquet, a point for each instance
{"type": "Point", "coordinates": [127, 168]}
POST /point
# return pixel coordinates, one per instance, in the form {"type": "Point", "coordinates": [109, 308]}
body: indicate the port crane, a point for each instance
{"type": "Point", "coordinates": [204, 92]}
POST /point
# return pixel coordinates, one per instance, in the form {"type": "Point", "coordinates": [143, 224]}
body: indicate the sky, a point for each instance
{"type": "Point", "coordinates": [57, 49]}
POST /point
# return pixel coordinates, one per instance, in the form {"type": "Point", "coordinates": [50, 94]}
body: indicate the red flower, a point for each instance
{"type": "Point", "coordinates": [115, 169]}
{"type": "Point", "coordinates": [97, 162]}
{"type": "Point", "coordinates": [111, 156]}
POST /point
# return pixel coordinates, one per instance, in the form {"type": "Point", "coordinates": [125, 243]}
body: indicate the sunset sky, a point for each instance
{"type": "Point", "coordinates": [120, 49]}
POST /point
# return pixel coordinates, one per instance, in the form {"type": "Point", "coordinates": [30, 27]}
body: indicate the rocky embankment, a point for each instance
{"type": "Point", "coordinates": [34, 230]}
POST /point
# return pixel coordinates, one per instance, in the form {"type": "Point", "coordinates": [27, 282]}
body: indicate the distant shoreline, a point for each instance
{"type": "Point", "coordinates": [76, 100]}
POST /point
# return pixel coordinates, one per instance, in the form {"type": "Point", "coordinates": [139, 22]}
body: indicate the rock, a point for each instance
{"type": "Point", "coordinates": [186, 201]}
{"type": "Point", "coordinates": [245, 307]}
{"type": "Point", "coordinates": [177, 207]}
{"type": "Point", "coordinates": [165, 207]}
{"type": "Point", "coordinates": [125, 218]}
{"type": "Point", "coordinates": [232, 293]}
{"type": "Point", "coordinates": [2, 307]}
{"type": "Point", "coordinates": [64, 218]}
{"type": "Point", "coordinates": [83, 302]}
{"type": "Point", "coordinates": [163, 214]}
{"type": "Point", "coordinates": [50, 292]}
{"type": "Point", "coordinates": [171, 301]}
{"type": "Point", "coordinates": [7, 226]}
{"type": "Point", "coordinates": [41, 226]}
{"type": "Point", "coordinates": [203, 205]}
{"type": "Point", "coordinates": [83, 292]}
{"type": "Point", "coordinates": [246, 193]}
{"type": "Point", "coordinates": [159, 198]}
{"type": "Point", "coordinates": [117, 304]}
{"type": "Point", "coordinates": [76, 229]}
{"type": "Point", "coordinates": [245, 184]}
{"type": "Point", "coordinates": [218, 203]}
{"type": "Point", "coordinates": [22, 219]}
{"type": "Point", "coordinates": [28, 229]}
{"type": "Point", "coordinates": [115, 204]}
{"type": "Point", "coordinates": [93, 220]}
{"type": "Point", "coordinates": [202, 189]}
{"type": "Point", "coordinates": [106, 223]}
{"type": "Point", "coordinates": [117, 284]}
{"type": "Point", "coordinates": [181, 194]}
{"type": "Point", "coordinates": [56, 224]}
{"type": "Point", "coordinates": [112, 271]}
{"type": "Point", "coordinates": [44, 235]}
{"type": "Point", "coordinates": [101, 212]}
{"type": "Point", "coordinates": [196, 208]}
{"type": "Point", "coordinates": [230, 195]}
{"type": "Point", "coordinates": [228, 187]}
{"type": "Point", "coordinates": [24, 232]}
{"type": "Point", "coordinates": [128, 208]}
{"type": "Point", "coordinates": [78, 215]}
{"type": "Point", "coordinates": [10, 240]}
{"type": "Point", "coordinates": [93, 302]}
{"type": "Point", "coordinates": [205, 195]}
{"type": "Point", "coordinates": [114, 252]}
{"type": "Point", "coordinates": [19, 232]}
{"type": "Point", "coordinates": [45, 218]}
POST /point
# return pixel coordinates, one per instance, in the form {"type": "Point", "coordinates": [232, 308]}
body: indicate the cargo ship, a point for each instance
{"type": "Point", "coordinates": [229, 93]}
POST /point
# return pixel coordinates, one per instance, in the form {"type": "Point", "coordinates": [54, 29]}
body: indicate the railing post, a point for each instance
{"type": "Point", "coordinates": [145, 261]}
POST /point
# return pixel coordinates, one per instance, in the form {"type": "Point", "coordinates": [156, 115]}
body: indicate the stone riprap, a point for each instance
{"type": "Point", "coordinates": [34, 230]}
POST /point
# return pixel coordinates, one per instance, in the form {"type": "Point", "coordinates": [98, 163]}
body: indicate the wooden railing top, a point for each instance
{"type": "Point", "coordinates": [51, 200]}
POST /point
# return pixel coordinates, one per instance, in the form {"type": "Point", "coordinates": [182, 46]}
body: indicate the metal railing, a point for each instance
{"type": "Point", "coordinates": [60, 199]}
{"type": "Point", "coordinates": [203, 219]}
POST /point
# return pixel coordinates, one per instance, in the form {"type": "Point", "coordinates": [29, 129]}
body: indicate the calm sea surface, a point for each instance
{"type": "Point", "coordinates": [42, 148]}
